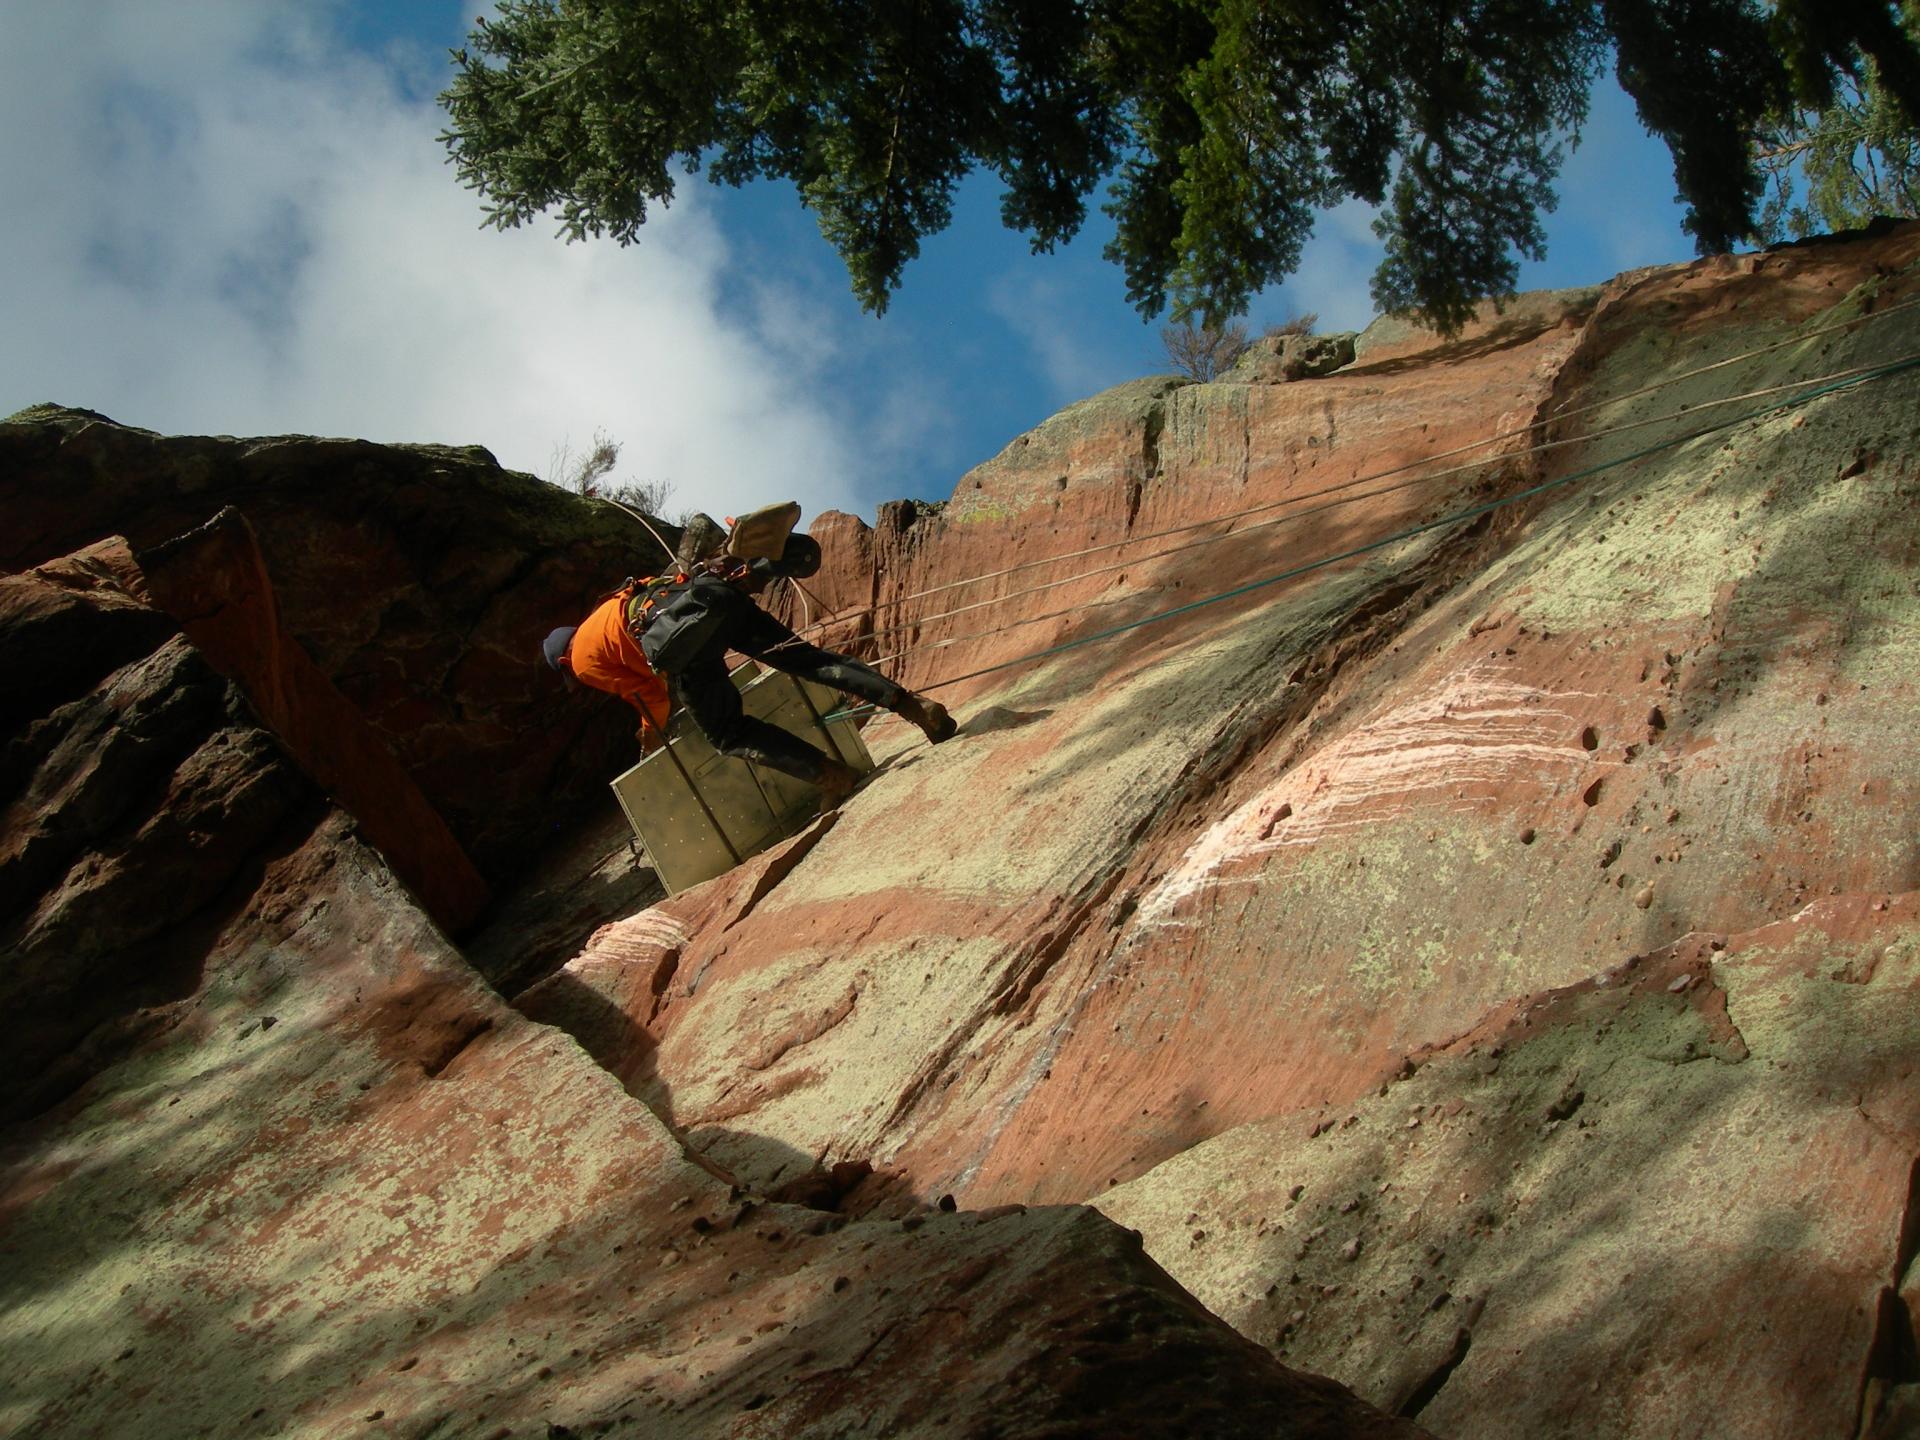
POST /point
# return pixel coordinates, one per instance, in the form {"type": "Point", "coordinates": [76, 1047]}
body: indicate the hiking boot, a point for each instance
{"type": "Point", "coordinates": [836, 781]}
{"type": "Point", "coordinates": [930, 715]}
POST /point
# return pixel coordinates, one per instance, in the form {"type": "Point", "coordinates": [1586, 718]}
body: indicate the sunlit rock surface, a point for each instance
{"type": "Point", "coordinates": [1223, 878]}
{"type": "Point", "coordinates": [284, 1164]}
{"type": "Point", "coordinates": [1469, 934]}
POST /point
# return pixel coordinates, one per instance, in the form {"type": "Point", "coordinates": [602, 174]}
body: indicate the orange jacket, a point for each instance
{"type": "Point", "coordinates": [604, 655]}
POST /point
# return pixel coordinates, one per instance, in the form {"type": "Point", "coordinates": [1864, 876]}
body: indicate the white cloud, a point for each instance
{"type": "Point", "coordinates": [1050, 320]}
{"type": "Point", "coordinates": [233, 224]}
{"type": "Point", "coordinates": [1336, 269]}
{"type": "Point", "coordinates": [220, 217]}
{"type": "Point", "coordinates": [1618, 209]}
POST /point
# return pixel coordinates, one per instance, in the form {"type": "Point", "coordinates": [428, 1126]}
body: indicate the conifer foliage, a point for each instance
{"type": "Point", "coordinates": [1836, 159]}
{"type": "Point", "coordinates": [1218, 127]}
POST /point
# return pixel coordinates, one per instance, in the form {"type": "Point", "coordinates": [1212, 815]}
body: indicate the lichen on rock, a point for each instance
{"type": "Point", "coordinates": [1471, 955]}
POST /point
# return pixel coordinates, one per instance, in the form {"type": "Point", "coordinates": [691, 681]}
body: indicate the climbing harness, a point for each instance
{"type": "Point", "coordinates": [644, 598]}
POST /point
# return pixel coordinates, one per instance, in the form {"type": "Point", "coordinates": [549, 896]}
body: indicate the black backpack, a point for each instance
{"type": "Point", "coordinates": [674, 617]}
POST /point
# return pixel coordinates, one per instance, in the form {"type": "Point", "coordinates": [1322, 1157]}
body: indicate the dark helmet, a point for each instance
{"type": "Point", "coordinates": [801, 557]}
{"type": "Point", "coordinates": [554, 648]}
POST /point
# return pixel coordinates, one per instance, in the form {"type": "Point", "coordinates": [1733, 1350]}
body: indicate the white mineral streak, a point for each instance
{"type": "Point", "coordinates": [1473, 738]}
{"type": "Point", "coordinates": [637, 940]}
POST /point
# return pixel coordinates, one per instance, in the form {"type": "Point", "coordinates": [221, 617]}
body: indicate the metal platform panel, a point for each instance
{"type": "Point", "coordinates": [698, 813]}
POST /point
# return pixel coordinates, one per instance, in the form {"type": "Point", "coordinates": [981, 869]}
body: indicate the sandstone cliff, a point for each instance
{"type": "Point", "coordinates": [412, 576]}
{"type": "Point", "coordinates": [1480, 969]}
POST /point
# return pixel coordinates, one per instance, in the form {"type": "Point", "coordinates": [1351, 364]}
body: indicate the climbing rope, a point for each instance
{"type": "Point", "coordinates": [1588, 438]}
{"type": "Point", "coordinates": [1351, 484]}
{"type": "Point", "coordinates": [666, 548]}
{"type": "Point", "coordinates": [1825, 385]}
{"type": "Point", "coordinates": [1482, 444]}
{"type": "Point", "coordinates": [1345, 499]}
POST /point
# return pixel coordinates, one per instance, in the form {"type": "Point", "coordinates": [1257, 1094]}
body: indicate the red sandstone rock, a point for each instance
{"type": "Point", "coordinates": [1227, 925]}
{"type": "Point", "coordinates": [1697, 1202]}
{"type": "Point", "coordinates": [304, 1173]}
{"type": "Point", "coordinates": [215, 581]}
{"type": "Point", "coordinates": [419, 579]}
{"type": "Point", "coordinates": [1233, 868]}
{"type": "Point", "coordinates": [133, 808]}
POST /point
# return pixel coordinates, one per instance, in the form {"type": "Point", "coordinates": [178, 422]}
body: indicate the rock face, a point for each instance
{"type": "Point", "coordinates": [1275, 359]}
{"type": "Point", "coordinates": [1634, 1179]}
{"type": "Point", "coordinates": [289, 1167]}
{"type": "Point", "coordinates": [139, 807]}
{"type": "Point", "coordinates": [215, 579]}
{"type": "Point", "coordinates": [1182, 896]}
{"type": "Point", "coordinates": [419, 580]}
{"type": "Point", "coordinates": [1430, 849]}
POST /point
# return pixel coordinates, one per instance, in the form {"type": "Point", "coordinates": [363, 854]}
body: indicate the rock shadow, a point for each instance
{"type": "Point", "coordinates": [996, 718]}
{"type": "Point", "coordinates": [753, 1164]}
{"type": "Point", "coordinates": [583, 882]}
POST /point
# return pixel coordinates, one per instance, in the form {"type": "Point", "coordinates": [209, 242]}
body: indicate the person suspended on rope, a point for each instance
{"type": "Point", "coordinates": [663, 641]}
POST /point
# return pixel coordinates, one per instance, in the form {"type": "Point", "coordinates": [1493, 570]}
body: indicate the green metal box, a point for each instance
{"type": "Point", "coordinates": [698, 813]}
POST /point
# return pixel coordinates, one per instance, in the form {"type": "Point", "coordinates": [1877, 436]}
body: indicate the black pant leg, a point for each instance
{"type": "Point", "coordinates": [764, 638]}
{"type": "Point", "coordinates": [710, 696]}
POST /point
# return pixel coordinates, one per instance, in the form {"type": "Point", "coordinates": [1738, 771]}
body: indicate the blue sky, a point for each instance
{"type": "Point", "coordinates": [232, 217]}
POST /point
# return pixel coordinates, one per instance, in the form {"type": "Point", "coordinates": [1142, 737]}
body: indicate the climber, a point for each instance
{"type": "Point", "coordinates": [665, 640]}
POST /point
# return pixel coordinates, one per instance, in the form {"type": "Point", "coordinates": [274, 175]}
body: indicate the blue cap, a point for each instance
{"type": "Point", "coordinates": [555, 646]}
